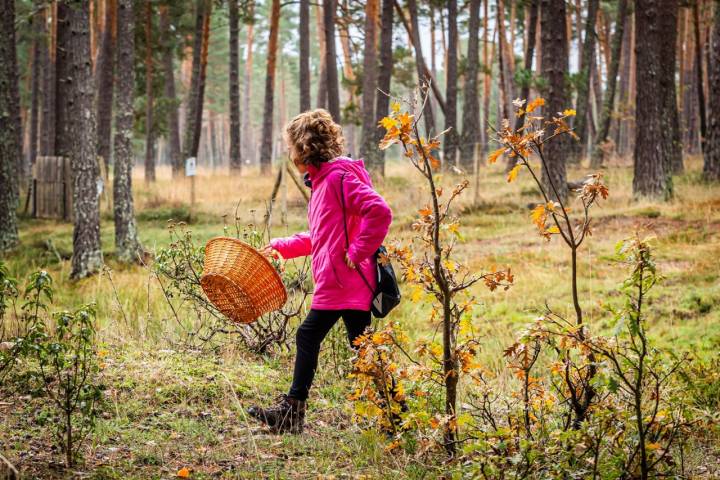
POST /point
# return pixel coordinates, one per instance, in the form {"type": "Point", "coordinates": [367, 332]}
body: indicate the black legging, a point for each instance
{"type": "Point", "coordinates": [310, 335]}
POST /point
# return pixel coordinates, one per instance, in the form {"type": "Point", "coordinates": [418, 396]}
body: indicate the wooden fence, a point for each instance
{"type": "Point", "coordinates": [52, 188]}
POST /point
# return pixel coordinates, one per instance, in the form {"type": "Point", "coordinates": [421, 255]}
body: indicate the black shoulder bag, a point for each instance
{"type": "Point", "coordinates": [386, 295]}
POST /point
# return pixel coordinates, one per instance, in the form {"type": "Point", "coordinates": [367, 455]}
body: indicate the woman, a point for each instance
{"type": "Point", "coordinates": [342, 197]}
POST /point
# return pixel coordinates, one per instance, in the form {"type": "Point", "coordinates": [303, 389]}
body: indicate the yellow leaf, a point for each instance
{"type": "Point", "coordinates": [405, 119]}
{"type": "Point", "coordinates": [553, 229]}
{"type": "Point", "coordinates": [570, 112]}
{"type": "Point", "coordinates": [538, 102]}
{"type": "Point", "coordinates": [512, 174]}
{"type": "Point", "coordinates": [492, 158]}
{"type": "Point", "coordinates": [653, 446]}
{"type": "Point", "coordinates": [425, 211]}
{"type": "Point", "coordinates": [183, 473]}
{"type": "Point", "coordinates": [395, 106]}
{"type": "Point", "coordinates": [388, 123]}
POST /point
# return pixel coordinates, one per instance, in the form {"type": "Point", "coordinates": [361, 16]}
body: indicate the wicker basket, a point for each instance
{"type": "Point", "coordinates": [240, 281]}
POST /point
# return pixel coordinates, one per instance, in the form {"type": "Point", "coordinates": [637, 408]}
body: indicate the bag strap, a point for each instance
{"type": "Point", "coordinates": [347, 237]}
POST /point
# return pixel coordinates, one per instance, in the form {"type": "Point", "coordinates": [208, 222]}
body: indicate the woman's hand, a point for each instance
{"type": "Point", "coordinates": [349, 262]}
{"type": "Point", "coordinates": [268, 251]}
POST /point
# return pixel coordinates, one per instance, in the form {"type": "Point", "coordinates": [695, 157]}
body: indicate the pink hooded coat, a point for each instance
{"type": "Point", "coordinates": [338, 287]}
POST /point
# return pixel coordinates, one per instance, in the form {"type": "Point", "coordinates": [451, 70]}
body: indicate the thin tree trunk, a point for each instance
{"type": "Point", "coordinates": [673, 141]}
{"type": "Point", "coordinates": [382, 105]}
{"type": "Point", "coordinates": [267, 130]}
{"type": "Point", "coordinates": [248, 146]}
{"type": "Point", "coordinates": [173, 120]}
{"type": "Point", "coordinates": [149, 97]}
{"type": "Point", "coordinates": [652, 157]}
{"type": "Point", "coordinates": [349, 75]}
{"type": "Point", "coordinates": [711, 167]}
{"type": "Point", "coordinates": [10, 137]}
{"type": "Point", "coordinates": [304, 55]}
{"type": "Point", "coordinates": [47, 122]}
{"type": "Point", "coordinates": [77, 93]}
{"type": "Point", "coordinates": [420, 65]}
{"type": "Point", "coordinates": [234, 87]}
{"type": "Point", "coordinates": [452, 136]}
{"type": "Point", "coordinates": [699, 76]}
{"type": "Point", "coordinates": [487, 66]}
{"type": "Point", "coordinates": [505, 80]}
{"type": "Point", "coordinates": [63, 76]}
{"type": "Point", "coordinates": [583, 95]}
{"type": "Point", "coordinates": [598, 156]}
{"type": "Point", "coordinates": [321, 100]}
{"type": "Point", "coordinates": [333, 86]}
{"type": "Point", "coordinates": [127, 244]}
{"type": "Point", "coordinates": [368, 147]}
{"type": "Point", "coordinates": [554, 70]}
{"type": "Point", "coordinates": [37, 44]}
{"type": "Point", "coordinates": [471, 104]}
{"type": "Point", "coordinates": [104, 78]}
{"type": "Point", "coordinates": [193, 122]}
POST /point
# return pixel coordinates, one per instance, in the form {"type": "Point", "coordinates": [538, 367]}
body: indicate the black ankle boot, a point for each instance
{"type": "Point", "coordinates": [286, 415]}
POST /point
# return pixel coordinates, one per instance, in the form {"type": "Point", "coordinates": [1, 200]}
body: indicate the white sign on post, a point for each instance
{"type": "Point", "coordinates": [190, 165]}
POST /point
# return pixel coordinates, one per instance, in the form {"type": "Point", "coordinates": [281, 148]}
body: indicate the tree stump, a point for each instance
{"type": "Point", "coordinates": [7, 470]}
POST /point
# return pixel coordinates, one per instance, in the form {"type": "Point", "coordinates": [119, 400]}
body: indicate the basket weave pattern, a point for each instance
{"type": "Point", "coordinates": [240, 281]}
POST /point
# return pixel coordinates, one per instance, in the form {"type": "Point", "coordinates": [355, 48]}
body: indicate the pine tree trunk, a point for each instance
{"type": "Point", "coordinates": [583, 95]}
{"type": "Point", "coordinates": [10, 143]}
{"type": "Point", "coordinates": [471, 104]}
{"type": "Point", "coordinates": [598, 155]}
{"type": "Point", "coordinates": [149, 97]}
{"type": "Point", "coordinates": [63, 77]}
{"type": "Point", "coordinates": [321, 100]}
{"type": "Point", "coordinates": [368, 147]}
{"type": "Point", "coordinates": [652, 157]}
{"type": "Point", "coordinates": [420, 65]}
{"type": "Point", "coordinates": [37, 44]}
{"type": "Point", "coordinates": [173, 120]}
{"type": "Point", "coordinates": [384, 77]}
{"type": "Point", "coordinates": [304, 55]}
{"type": "Point", "coordinates": [127, 245]}
{"type": "Point", "coordinates": [711, 167]}
{"type": "Point", "coordinates": [485, 119]}
{"type": "Point", "coordinates": [668, 26]}
{"type": "Point", "coordinates": [506, 88]}
{"type": "Point", "coordinates": [47, 121]}
{"type": "Point", "coordinates": [699, 76]}
{"type": "Point", "coordinates": [333, 86]}
{"type": "Point", "coordinates": [234, 86]}
{"type": "Point", "coordinates": [246, 127]}
{"type": "Point", "coordinates": [80, 145]}
{"type": "Point", "coordinates": [104, 78]}
{"type": "Point", "coordinates": [267, 129]}
{"type": "Point", "coordinates": [452, 136]}
{"type": "Point", "coordinates": [193, 122]}
{"type": "Point", "coordinates": [554, 70]}
{"type": "Point", "coordinates": [625, 130]}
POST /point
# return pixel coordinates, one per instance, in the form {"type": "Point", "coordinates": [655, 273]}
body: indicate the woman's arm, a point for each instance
{"type": "Point", "coordinates": [375, 218]}
{"type": "Point", "coordinates": [298, 245]}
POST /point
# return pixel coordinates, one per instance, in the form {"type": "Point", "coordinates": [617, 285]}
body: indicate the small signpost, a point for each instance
{"type": "Point", "coordinates": [190, 169]}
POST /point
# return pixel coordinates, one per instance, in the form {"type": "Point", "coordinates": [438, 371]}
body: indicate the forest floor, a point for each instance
{"type": "Point", "coordinates": [171, 407]}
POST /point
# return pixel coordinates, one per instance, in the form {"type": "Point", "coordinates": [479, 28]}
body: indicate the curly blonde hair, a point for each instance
{"type": "Point", "coordinates": [313, 138]}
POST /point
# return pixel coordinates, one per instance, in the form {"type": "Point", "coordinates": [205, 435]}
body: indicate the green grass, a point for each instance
{"type": "Point", "coordinates": [169, 407]}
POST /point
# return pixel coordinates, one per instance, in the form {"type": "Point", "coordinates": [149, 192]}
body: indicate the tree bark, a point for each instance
{"type": "Point", "coordinates": [333, 87]}
{"type": "Point", "coordinates": [104, 78]}
{"type": "Point", "coordinates": [420, 65]}
{"type": "Point", "coordinates": [79, 136]}
{"type": "Point", "coordinates": [10, 142]}
{"type": "Point", "coordinates": [234, 86]}
{"type": "Point", "coordinates": [583, 95]}
{"type": "Point", "coordinates": [368, 147]}
{"type": "Point", "coordinates": [47, 119]}
{"type": "Point", "coordinates": [471, 104]}
{"type": "Point", "coordinates": [246, 127]}
{"type": "Point", "coordinates": [385, 69]}
{"type": "Point", "coordinates": [304, 55]}
{"type": "Point", "coordinates": [699, 75]}
{"type": "Point", "coordinates": [598, 155]}
{"type": "Point", "coordinates": [193, 122]}
{"type": "Point", "coordinates": [452, 136]}
{"type": "Point", "coordinates": [506, 81]}
{"type": "Point", "coordinates": [149, 97]}
{"type": "Point", "coordinates": [173, 120]}
{"type": "Point", "coordinates": [127, 244]}
{"type": "Point", "coordinates": [668, 39]}
{"type": "Point", "coordinates": [38, 41]}
{"type": "Point", "coordinates": [652, 157]}
{"type": "Point", "coordinates": [267, 129]}
{"type": "Point", "coordinates": [711, 167]}
{"type": "Point", "coordinates": [554, 70]}
{"type": "Point", "coordinates": [321, 100]}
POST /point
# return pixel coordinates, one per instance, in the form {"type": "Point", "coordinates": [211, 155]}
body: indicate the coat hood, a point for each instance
{"type": "Point", "coordinates": [339, 164]}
